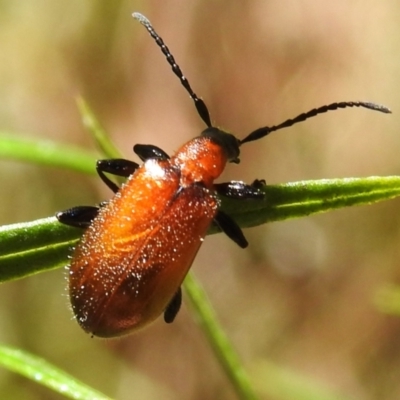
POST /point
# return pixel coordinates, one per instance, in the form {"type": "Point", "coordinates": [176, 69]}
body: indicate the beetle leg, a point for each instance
{"type": "Point", "coordinates": [173, 307]}
{"type": "Point", "coordinates": [240, 190]}
{"type": "Point", "coordinates": [147, 151]}
{"type": "Point", "coordinates": [230, 228]}
{"type": "Point", "coordinates": [259, 183]}
{"type": "Point", "coordinates": [115, 166]}
{"type": "Point", "coordinates": [78, 217]}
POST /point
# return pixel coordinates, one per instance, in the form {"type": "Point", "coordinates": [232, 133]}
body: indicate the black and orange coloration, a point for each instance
{"type": "Point", "coordinates": [137, 248]}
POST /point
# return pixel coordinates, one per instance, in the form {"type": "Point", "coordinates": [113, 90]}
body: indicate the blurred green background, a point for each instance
{"type": "Point", "coordinates": [303, 295]}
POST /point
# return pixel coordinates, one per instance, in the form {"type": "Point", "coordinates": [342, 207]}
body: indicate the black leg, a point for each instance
{"type": "Point", "coordinates": [173, 307]}
{"type": "Point", "coordinates": [230, 228]}
{"type": "Point", "coordinates": [147, 151]}
{"type": "Point", "coordinates": [78, 217]}
{"type": "Point", "coordinates": [240, 190]}
{"type": "Point", "coordinates": [259, 183]}
{"type": "Point", "coordinates": [115, 166]}
{"type": "Point", "coordinates": [124, 168]}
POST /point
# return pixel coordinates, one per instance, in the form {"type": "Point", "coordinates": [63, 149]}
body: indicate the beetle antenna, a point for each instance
{"type": "Point", "coordinates": [199, 103]}
{"type": "Point", "coordinates": [261, 132]}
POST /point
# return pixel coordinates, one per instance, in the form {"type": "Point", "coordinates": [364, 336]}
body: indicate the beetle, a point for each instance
{"type": "Point", "coordinates": [137, 248]}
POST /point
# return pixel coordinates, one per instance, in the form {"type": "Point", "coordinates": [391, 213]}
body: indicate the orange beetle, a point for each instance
{"type": "Point", "coordinates": [137, 248]}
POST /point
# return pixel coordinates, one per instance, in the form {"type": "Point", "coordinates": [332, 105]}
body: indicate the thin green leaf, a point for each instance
{"type": "Point", "coordinates": [46, 152]}
{"type": "Point", "coordinates": [44, 373]}
{"type": "Point", "coordinates": [299, 199]}
{"type": "Point", "coordinates": [19, 243]}
{"type": "Point", "coordinates": [32, 247]}
{"type": "Point", "coordinates": [92, 123]}
{"type": "Point", "coordinates": [34, 235]}
{"type": "Point", "coordinates": [216, 336]}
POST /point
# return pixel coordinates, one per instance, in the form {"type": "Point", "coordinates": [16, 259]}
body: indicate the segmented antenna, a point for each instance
{"type": "Point", "coordinates": [261, 132]}
{"type": "Point", "coordinates": [199, 103]}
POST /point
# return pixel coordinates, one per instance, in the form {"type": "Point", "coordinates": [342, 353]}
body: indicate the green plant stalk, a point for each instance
{"type": "Point", "coordinates": [303, 198]}
{"type": "Point", "coordinates": [99, 134]}
{"type": "Point", "coordinates": [41, 371]}
{"type": "Point", "coordinates": [32, 247]}
{"type": "Point", "coordinates": [29, 248]}
{"type": "Point", "coordinates": [46, 152]}
{"type": "Point", "coordinates": [221, 345]}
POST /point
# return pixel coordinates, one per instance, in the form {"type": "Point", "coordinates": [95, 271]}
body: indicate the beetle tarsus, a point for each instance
{"type": "Point", "coordinates": [231, 229]}
{"type": "Point", "coordinates": [115, 166]}
{"type": "Point", "coordinates": [239, 190]}
{"type": "Point", "coordinates": [173, 307]}
{"type": "Point", "coordinates": [78, 217]}
{"type": "Point", "coordinates": [148, 151]}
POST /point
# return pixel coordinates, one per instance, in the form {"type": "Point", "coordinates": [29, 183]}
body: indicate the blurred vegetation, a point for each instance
{"type": "Point", "coordinates": [311, 295]}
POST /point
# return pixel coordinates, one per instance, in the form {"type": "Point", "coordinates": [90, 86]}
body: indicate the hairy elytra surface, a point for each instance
{"type": "Point", "coordinates": [134, 256]}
